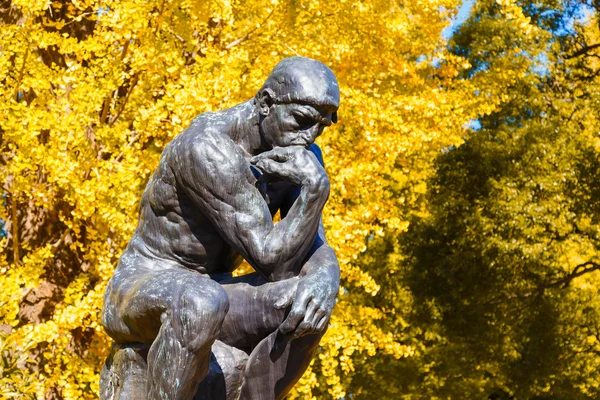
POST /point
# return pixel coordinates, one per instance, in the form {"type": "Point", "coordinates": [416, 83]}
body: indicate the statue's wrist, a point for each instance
{"type": "Point", "coordinates": [326, 274]}
{"type": "Point", "coordinates": [317, 184]}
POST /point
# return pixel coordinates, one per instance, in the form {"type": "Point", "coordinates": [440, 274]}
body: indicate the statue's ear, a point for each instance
{"type": "Point", "coordinates": [334, 117]}
{"type": "Point", "coordinates": [266, 100]}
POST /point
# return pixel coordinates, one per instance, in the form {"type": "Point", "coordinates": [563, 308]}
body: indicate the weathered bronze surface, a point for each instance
{"type": "Point", "coordinates": [184, 327]}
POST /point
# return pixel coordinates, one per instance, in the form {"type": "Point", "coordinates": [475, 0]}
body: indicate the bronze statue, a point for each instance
{"type": "Point", "coordinates": [184, 327]}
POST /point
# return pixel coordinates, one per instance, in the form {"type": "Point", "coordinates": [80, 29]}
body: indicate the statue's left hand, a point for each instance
{"type": "Point", "coordinates": [311, 305]}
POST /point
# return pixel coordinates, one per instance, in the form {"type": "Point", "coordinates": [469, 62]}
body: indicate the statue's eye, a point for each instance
{"type": "Point", "coordinates": [303, 121]}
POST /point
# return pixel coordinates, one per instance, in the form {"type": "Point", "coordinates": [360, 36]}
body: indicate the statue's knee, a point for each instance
{"type": "Point", "coordinates": [110, 319]}
{"type": "Point", "coordinates": [200, 314]}
{"type": "Point", "coordinates": [215, 304]}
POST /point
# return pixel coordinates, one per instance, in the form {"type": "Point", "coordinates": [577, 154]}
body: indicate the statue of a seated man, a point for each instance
{"type": "Point", "coordinates": [209, 204]}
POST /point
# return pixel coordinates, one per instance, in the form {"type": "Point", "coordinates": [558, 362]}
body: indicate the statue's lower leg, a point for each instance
{"type": "Point", "coordinates": [125, 373]}
{"type": "Point", "coordinates": [174, 369]}
{"type": "Point", "coordinates": [276, 364]}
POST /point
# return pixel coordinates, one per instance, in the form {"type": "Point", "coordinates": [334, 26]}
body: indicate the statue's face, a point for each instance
{"type": "Point", "coordinates": [295, 124]}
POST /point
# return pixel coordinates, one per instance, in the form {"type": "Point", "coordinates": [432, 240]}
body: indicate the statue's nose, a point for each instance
{"type": "Point", "coordinates": [311, 134]}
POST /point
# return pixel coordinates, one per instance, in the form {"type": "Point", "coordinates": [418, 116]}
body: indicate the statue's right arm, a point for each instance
{"type": "Point", "coordinates": [214, 175]}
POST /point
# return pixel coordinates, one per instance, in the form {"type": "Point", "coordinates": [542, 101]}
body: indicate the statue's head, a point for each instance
{"type": "Point", "coordinates": [298, 100]}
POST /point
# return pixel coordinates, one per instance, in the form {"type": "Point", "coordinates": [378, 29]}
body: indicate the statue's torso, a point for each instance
{"type": "Point", "coordinates": [172, 228]}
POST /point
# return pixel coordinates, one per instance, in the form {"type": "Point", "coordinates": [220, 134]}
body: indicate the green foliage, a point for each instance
{"type": "Point", "coordinates": [503, 269]}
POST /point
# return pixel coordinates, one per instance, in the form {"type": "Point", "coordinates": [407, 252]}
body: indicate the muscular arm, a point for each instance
{"type": "Point", "coordinates": [215, 176]}
{"type": "Point", "coordinates": [322, 260]}
{"type": "Point", "coordinates": [320, 274]}
{"type": "Point", "coordinates": [321, 257]}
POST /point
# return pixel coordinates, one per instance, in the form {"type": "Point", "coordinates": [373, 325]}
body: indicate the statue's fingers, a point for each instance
{"type": "Point", "coordinates": [311, 310]}
{"type": "Point", "coordinates": [296, 314]}
{"type": "Point", "coordinates": [324, 321]}
{"type": "Point", "coordinates": [291, 321]}
{"type": "Point", "coordinates": [303, 329]}
{"type": "Point", "coordinates": [309, 324]}
{"type": "Point", "coordinates": [270, 169]}
{"type": "Point", "coordinates": [317, 317]}
{"type": "Point", "coordinates": [278, 154]}
{"type": "Point", "coordinates": [285, 301]}
{"type": "Point", "coordinates": [263, 166]}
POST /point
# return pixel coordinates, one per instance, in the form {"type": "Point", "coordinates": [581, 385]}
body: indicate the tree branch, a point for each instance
{"type": "Point", "coordinates": [244, 38]}
{"type": "Point", "coordinates": [122, 153]}
{"type": "Point", "coordinates": [21, 73]}
{"type": "Point", "coordinates": [15, 224]}
{"type": "Point", "coordinates": [583, 51]}
{"type": "Point", "coordinates": [106, 106]}
{"type": "Point", "coordinates": [13, 192]}
{"type": "Point", "coordinates": [578, 271]}
{"type": "Point", "coordinates": [133, 83]}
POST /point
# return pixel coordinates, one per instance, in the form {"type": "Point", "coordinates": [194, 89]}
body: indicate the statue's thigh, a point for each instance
{"type": "Point", "coordinates": [136, 303]}
{"type": "Point", "coordinates": [252, 314]}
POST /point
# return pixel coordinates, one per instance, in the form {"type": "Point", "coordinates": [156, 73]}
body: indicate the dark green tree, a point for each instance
{"type": "Point", "coordinates": [503, 266]}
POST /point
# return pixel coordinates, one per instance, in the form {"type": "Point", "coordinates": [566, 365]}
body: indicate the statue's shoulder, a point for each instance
{"type": "Point", "coordinates": [205, 128]}
{"type": "Point", "coordinates": [205, 142]}
{"type": "Point", "coordinates": [206, 133]}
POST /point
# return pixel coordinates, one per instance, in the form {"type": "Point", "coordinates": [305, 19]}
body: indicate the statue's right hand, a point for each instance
{"type": "Point", "coordinates": [293, 164]}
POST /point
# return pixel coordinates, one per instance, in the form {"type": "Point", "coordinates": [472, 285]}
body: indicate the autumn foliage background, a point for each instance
{"type": "Point", "coordinates": [465, 194]}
